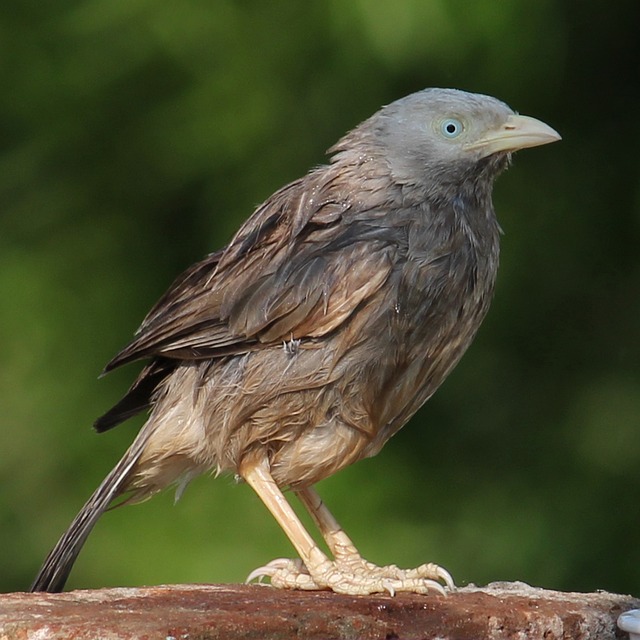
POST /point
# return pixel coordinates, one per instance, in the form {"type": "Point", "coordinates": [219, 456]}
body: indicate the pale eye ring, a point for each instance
{"type": "Point", "coordinates": [451, 128]}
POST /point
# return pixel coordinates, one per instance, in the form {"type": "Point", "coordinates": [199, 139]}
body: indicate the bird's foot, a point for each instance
{"type": "Point", "coordinates": [355, 576]}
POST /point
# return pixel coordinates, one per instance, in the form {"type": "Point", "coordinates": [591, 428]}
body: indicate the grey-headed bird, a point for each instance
{"type": "Point", "coordinates": [336, 311]}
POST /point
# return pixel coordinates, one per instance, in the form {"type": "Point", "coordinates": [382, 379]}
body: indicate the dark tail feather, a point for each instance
{"type": "Point", "coordinates": [138, 398]}
{"type": "Point", "coordinates": [56, 568]}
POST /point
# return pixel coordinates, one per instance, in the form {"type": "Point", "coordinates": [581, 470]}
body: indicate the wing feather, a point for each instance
{"type": "Point", "coordinates": [265, 288]}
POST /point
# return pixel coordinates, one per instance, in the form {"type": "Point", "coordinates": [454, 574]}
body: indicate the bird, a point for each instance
{"type": "Point", "coordinates": [335, 312]}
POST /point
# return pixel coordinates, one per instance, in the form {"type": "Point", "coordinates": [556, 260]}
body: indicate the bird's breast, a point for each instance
{"type": "Point", "coordinates": [440, 292]}
{"type": "Point", "coordinates": [449, 264]}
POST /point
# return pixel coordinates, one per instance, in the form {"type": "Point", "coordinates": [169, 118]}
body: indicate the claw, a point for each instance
{"type": "Point", "coordinates": [445, 576]}
{"type": "Point", "coordinates": [271, 568]}
{"type": "Point", "coordinates": [258, 574]}
{"type": "Point", "coordinates": [388, 587]}
{"type": "Point", "coordinates": [436, 586]}
{"type": "Point", "coordinates": [434, 572]}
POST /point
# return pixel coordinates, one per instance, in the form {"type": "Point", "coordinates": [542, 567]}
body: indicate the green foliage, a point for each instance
{"type": "Point", "coordinates": [136, 136]}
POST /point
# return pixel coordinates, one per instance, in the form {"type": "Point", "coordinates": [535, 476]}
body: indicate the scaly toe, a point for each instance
{"type": "Point", "coordinates": [353, 575]}
{"type": "Point", "coordinates": [284, 573]}
{"type": "Point", "coordinates": [432, 572]}
{"type": "Point", "coordinates": [426, 577]}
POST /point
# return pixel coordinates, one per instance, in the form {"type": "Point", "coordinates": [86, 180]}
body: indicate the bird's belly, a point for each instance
{"type": "Point", "coordinates": [289, 406]}
{"type": "Point", "coordinates": [311, 407]}
{"type": "Point", "coordinates": [317, 453]}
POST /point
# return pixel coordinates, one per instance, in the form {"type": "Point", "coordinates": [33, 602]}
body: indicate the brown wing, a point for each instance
{"type": "Point", "coordinates": [297, 268]}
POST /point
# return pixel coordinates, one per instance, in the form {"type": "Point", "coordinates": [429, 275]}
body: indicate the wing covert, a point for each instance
{"type": "Point", "coordinates": [263, 288]}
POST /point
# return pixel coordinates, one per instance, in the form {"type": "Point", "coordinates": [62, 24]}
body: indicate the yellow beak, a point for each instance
{"type": "Point", "coordinates": [518, 132]}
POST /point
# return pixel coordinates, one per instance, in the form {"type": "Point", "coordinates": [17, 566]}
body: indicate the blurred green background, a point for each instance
{"type": "Point", "coordinates": [135, 137]}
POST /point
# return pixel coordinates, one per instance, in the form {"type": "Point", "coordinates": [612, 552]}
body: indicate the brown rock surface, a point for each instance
{"type": "Point", "coordinates": [205, 612]}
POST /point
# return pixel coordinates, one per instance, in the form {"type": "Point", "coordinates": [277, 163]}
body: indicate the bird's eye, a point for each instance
{"type": "Point", "coordinates": [451, 128]}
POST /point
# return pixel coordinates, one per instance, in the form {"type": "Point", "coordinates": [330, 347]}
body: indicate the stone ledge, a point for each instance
{"type": "Point", "coordinates": [513, 611]}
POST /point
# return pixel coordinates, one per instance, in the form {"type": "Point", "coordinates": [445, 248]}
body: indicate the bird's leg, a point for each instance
{"type": "Point", "coordinates": [285, 573]}
{"type": "Point", "coordinates": [347, 556]}
{"type": "Point", "coordinates": [348, 572]}
{"type": "Point", "coordinates": [337, 540]}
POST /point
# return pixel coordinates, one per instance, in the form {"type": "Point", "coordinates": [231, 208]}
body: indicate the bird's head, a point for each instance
{"type": "Point", "coordinates": [446, 138]}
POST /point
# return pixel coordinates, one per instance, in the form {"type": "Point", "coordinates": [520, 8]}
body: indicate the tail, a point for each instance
{"type": "Point", "coordinates": [56, 568]}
